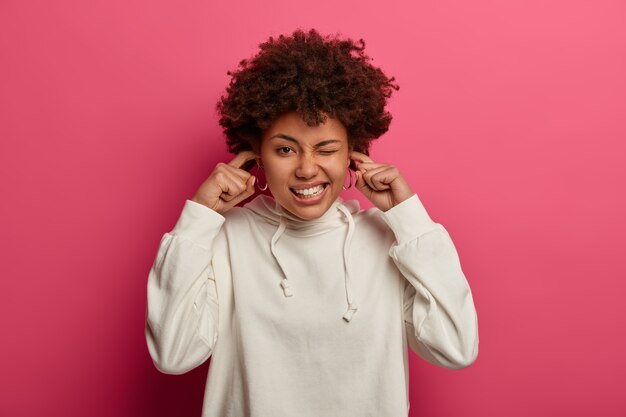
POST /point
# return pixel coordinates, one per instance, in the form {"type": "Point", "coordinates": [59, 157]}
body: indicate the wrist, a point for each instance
{"type": "Point", "coordinates": [199, 200]}
{"type": "Point", "coordinates": [402, 192]}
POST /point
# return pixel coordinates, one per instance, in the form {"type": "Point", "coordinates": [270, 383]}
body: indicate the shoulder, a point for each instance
{"type": "Point", "coordinates": [371, 221]}
{"type": "Point", "coordinates": [238, 216]}
{"type": "Point", "coordinates": [260, 210]}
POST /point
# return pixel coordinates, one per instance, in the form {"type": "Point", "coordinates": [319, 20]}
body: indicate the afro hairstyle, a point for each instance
{"type": "Point", "coordinates": [310, 74]}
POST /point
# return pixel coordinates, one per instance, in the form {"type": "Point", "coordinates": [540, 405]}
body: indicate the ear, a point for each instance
{"type": "Point", "coordinates": [258, 161]}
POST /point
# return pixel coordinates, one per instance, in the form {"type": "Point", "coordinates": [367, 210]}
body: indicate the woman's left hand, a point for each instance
{"type": "Point", "coordinates": [382, 184]}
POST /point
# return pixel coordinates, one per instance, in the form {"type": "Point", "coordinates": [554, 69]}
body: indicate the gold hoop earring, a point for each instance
{"type": "Point", "coordinates": [350, 175]}
{"type": "Point", "coordinates": [257, 179]}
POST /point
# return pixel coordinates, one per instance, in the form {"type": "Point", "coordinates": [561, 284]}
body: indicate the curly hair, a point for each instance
{"type": "Point", "coordinates": [309, 74]}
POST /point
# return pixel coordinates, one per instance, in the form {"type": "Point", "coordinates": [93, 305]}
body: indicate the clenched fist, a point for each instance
{"type": "Point", "coordinates": [382, 184]}
{"type": "Point", "coordinates": [227, 185]}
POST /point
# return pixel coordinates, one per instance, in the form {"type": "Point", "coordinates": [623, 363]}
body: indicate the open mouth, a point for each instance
{"type": "Point", "coordinates": [306, 193]}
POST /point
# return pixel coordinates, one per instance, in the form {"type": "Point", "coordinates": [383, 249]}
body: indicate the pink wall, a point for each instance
{"type": "Point", "coordinates": [509, 124]}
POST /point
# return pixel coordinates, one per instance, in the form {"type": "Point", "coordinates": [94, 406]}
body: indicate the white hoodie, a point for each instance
{"type": "Point", "coordinates": [308, 318]}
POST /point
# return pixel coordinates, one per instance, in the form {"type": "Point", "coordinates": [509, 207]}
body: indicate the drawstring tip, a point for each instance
{"type": "Point", "coordinates": [351, 310]}
{"type": "Point", "coordinates": [286, 290]}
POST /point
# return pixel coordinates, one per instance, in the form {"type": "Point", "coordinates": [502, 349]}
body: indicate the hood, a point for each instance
{"type": "Point", "coordinates": [338, 215]}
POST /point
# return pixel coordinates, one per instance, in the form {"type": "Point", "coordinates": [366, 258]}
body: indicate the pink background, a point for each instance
{"type": "Point", "coordinates": [509, 125]}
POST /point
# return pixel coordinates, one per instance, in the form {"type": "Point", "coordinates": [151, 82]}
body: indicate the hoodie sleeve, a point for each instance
{"type": "Point", "coordinates": [439, 312]}
{"type": "Point", "coordinates": [182, 307]}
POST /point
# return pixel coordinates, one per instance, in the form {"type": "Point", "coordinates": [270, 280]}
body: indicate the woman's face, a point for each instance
{"type": "Point", "coordinates": [305, 166]}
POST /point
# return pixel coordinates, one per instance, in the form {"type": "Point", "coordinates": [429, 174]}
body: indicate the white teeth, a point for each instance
{"type": "Point", "coordinates": [309, 191]}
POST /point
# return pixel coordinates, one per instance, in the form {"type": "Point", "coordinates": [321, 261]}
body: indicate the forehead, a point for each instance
{"type": "Point", "coordinates": [291, 124]}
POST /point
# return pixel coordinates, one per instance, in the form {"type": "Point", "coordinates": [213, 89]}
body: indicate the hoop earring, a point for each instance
{"type": "Point", "coordinates": [257, 179]}
{"type": "Point", "coordinates": [350, 175]}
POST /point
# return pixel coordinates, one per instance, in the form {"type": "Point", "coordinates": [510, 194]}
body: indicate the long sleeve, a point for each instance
{"type": "Point", "coordinates": [439, 312]}
{"type": "Point", "coordinates": [182, 305]}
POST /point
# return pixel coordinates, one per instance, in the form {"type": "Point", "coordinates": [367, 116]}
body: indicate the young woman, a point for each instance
{"type": "Point", "coordinates": [307, 304]}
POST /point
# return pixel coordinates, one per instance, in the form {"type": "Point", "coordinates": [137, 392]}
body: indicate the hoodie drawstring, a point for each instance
{"type": "Point", "coordinates": [285, 282]}
{"type": "Point", "coordinates": [352, 306]}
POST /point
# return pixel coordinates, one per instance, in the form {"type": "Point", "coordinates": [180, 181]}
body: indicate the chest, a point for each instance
{"type": "Point", "coordinates": [320, 271]}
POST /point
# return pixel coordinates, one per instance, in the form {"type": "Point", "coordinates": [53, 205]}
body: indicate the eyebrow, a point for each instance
{"type": "Point", "coordinates": [291, 139]}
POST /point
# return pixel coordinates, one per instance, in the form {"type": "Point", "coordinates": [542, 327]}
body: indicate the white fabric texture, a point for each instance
{"type": "Point", "coordinates": [308, 318]}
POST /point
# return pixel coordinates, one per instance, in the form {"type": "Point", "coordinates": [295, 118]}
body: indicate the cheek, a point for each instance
{"type": "Point", "coordinates": [336, 168]}
{"type": "Point", "coordinates": [276, 170]}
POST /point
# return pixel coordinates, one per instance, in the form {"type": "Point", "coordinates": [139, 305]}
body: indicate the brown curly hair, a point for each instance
{"type": "Point", "coordinates": [310, 74]}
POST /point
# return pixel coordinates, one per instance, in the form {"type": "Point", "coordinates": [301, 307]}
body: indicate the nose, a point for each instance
{"type": "Point", "coordinates": [307, 167]}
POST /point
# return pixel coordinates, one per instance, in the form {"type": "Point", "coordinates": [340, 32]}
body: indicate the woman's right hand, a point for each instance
{"type": "Point", "coordinates": [227, 185]}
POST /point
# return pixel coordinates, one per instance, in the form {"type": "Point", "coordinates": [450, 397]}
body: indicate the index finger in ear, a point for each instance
{"type": "Point", "coordinates": [360, 157]}
{"type": "Point", "coordinates": [242, 158]}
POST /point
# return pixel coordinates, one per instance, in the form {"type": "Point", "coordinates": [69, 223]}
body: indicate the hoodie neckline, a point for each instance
{"type": "Point", "coordinates": [274, 213]}
{"type": "Point", "coordinates": [338, 215]}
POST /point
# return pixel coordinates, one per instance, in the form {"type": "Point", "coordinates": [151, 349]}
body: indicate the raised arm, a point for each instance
{"type": "Point", "coordinates": [182, 311]}
{"type": "Point", "coordinates": [182, 308]}
{"type": "Point", "coordinates": [440, 316]}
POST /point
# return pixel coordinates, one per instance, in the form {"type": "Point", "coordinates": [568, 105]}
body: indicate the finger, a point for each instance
{"type": "Point", "coordinates": [245, 194]}
{"type": "Point", "coordinates": [242, 158]}
{"type": "Point", "coordinates": [231, 187]}
{"type": "Point", "coordinates": [360, 157]}
{"type": "Point", "coordinates": [365, 166]}
{"type": "Point", "coordinates": [238, 172]}
{"type": "Point", "coordinates": [382, 179]}
{"type": "Point", "coordinates": [369, 175]}
{"type": "Point", "coordinates": [362, 186]}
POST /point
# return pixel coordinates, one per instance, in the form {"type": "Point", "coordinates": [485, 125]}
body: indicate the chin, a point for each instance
{"type": "Point", "coordinates": [310, 214]}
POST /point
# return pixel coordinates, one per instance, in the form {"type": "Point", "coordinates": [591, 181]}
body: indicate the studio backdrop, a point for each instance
{"type": "Point", "coordinates": [509, 125]}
